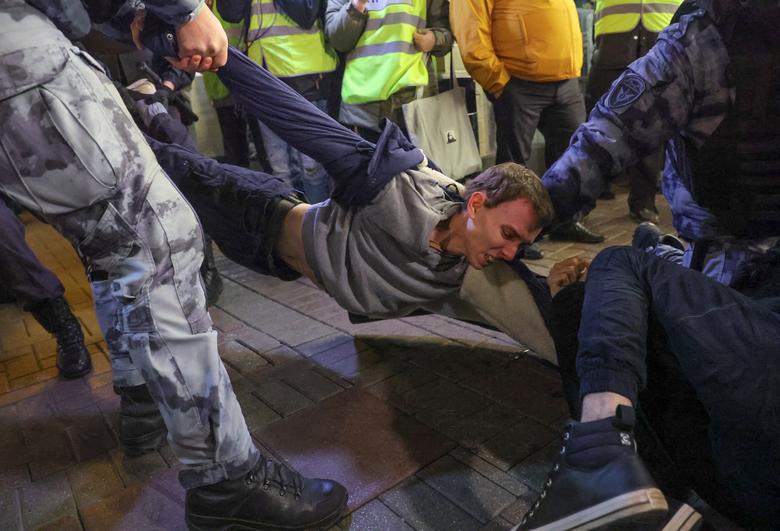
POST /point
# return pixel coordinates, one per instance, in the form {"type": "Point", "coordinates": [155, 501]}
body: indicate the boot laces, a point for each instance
{"type": "Point", "coordinates": [268, 472]}
{"type": "Point", "coordinates": [70, 337]}
{"type": "Point", "coordinates": [549, 481]}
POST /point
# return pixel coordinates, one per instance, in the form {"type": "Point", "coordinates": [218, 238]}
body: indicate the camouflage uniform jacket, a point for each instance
{"type": "Point", "coordinates": [677, 94]}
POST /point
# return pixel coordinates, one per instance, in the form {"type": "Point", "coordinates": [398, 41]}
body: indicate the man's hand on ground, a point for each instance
{"type": "Point", "coordinates": [566, 272]}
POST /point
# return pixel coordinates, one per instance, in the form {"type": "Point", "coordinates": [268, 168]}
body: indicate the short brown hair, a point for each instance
{"type": "Point", "coordinates": [508, 181]}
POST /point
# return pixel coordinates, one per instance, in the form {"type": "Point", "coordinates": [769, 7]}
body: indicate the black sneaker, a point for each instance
{"type": "Point", "coordinates": [647, 236]}
{"type": "Point", "coordinates": [598, 481]}
{"type": "Point", "coordinates": [141, 427]}
{"type": "Point", "coordinates": [271, 496]}
{"type": "Point", "coordinates": [682, 517]}
{"type": "Point", "coordinates": [55, 316]}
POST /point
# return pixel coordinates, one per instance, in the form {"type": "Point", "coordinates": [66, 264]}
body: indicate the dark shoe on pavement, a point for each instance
{"type": "Point", "coordinates": [599, 481]}
{"type": "Point", "coordinates": [55, 316]}
{"type": "Point", "coordinates": [141, 427]}
{"type": "Point", "coordinates": [271, 496]}
{"type": "Point", "coordinates": [644, 214]}
{"type": "Point", "coordinates": [608, 193]}
{"type": "Point", "coordinates": [576, 231]}
{"type": "Point", "coordinates": [647, 235]}
{"type": "Point", "coordinates": [531, 252]}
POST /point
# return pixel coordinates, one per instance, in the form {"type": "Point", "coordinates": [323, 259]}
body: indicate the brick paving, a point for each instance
{"type": "Point", "coordinates": [432, 423]}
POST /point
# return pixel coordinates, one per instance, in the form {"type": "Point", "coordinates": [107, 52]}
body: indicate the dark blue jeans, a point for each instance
{"type": "Point", "coordinates": [727, 347]}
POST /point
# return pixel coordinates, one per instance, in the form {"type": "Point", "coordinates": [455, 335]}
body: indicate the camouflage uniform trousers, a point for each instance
{"type": "Point", "coordinates": [70, 152]}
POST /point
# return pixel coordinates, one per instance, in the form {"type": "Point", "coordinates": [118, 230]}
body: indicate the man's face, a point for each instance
{"type": "Point", "coordinates": [496, 233]}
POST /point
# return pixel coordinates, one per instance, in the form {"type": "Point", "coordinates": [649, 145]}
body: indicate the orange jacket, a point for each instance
{"type": "Point", "coordinates": [535, 40]}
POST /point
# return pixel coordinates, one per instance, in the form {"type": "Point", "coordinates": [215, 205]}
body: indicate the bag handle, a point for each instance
{"type": "Point", "coordinates": [418, 95]}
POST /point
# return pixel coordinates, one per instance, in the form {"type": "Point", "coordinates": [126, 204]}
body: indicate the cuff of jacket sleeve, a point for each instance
{"type": "Point", "coordinates": [353, 12]}
{"type": "Point", "coordinates": [442, 44]}
{"type": "Point", "coordinates": [179, 17]}
{"type": "Point", "coordinates": [609, 381]}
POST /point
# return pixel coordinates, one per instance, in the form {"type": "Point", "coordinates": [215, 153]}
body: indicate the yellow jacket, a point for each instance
{"type": "Point", "coordinates": [535, 40]}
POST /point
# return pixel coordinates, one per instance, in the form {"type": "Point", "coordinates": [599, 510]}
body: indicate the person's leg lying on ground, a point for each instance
{"type": "Point", "coordinates": [143, 246]}
{"type": "Point", "coordinates": [726, 345]}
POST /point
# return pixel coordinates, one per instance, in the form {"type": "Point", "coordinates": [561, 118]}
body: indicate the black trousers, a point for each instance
{"type": "Point", "coordinates": [235, 143]}
{"type": "Point", "coordinates": [703, 358]}
{"type": "Point", "coordinates": [22, 276]}
{"type": "Point", "coordinates": [556, 108]}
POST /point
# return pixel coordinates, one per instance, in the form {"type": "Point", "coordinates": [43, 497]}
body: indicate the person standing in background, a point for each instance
{"type": "Point", "coordinates": [387, 45]}
{"type": "Point", "coordinates": [527, 56]}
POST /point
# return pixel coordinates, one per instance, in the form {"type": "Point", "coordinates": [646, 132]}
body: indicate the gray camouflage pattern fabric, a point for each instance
{"type": "Point", "coordinates": [678, 93]}
{"type": "Point", "coordinates": [70, 152]}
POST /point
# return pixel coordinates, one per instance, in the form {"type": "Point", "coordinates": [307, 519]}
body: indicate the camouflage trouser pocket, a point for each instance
{"type": "Point", "coordinates": [60, 146]}
{"type": "Point", "coordinates": [108, 244]}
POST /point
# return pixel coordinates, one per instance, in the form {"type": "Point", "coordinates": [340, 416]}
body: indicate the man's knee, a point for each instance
{"type": "Point", "coordinates": [616, 257]}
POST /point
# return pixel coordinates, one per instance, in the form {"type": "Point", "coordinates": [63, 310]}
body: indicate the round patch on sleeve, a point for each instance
{"type": "Point", "coordinates": [627, 91]}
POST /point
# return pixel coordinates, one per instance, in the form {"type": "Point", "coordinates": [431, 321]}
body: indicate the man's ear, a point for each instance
{"type": "Point", "coordinates": [476, 202]}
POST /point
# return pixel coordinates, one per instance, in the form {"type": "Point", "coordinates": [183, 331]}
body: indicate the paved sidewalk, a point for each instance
{"type": "Point", "coordinates": [430, 423]}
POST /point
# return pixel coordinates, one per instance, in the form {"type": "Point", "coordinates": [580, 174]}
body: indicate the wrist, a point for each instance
{"type": "Point", "coordinates": [359, 5]}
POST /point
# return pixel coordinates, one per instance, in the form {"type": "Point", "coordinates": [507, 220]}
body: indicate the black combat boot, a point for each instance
{"type": "Point", "coordinates": [599, 482]}
{"type": "Point", "coordinates": [271, 496]}
{"type": "Point", "coordinates": [208, 271]}
{"type": "Point", "coordinates": [55, 316]}
{"type": "Point", "coordinates": [141, 427]}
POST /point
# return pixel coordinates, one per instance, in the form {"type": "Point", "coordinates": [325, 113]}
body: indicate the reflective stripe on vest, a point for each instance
{"type": "Point", "coordinates": [215, 89]}
{"type": "Point", "coordinates": [385, 59]}
{"type": "Point", "coordinates": [620, 16]}
{"type": "Point", "coordinates": [282, 46]}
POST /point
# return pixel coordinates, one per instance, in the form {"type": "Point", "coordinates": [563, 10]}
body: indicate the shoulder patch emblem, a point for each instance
{"type": "Point", "coordinates": [626, 92]}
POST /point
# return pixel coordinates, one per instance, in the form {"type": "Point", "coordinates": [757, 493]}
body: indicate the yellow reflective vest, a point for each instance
{"type": "Point", "coordinates": [384, 59]}
{"type": "Point", "coordinates": [286, 49]}
{"type": "Point", "coordinates": [621, 16]}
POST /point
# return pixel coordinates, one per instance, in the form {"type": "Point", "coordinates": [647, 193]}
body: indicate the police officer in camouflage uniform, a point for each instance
{"type": "Point", "coordinates": [699, 355]}
{"type": "Point", "coordinates": [71, 153]}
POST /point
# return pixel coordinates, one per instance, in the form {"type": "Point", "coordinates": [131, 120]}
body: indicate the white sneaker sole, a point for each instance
{"type": "Point", "coordinates": [639, 506]}
{"type": "Point", "coordinates": [685, 519]}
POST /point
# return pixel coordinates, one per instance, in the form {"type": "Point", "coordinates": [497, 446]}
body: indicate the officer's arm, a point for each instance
{"type": "Point", "coordinates": [70, 17]}
{"type": "Point", "coordinates": [651, 101]}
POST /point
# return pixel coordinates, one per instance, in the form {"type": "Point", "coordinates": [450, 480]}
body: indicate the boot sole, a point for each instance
{"type": "Point", "coordinates": [685, 519]}
{"type": "Point", "coordinates": [644, 507]}
{"type": "Point", "coordinates": [210, 523]}
{"type": "Point", "coordinates": [74, 375]}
